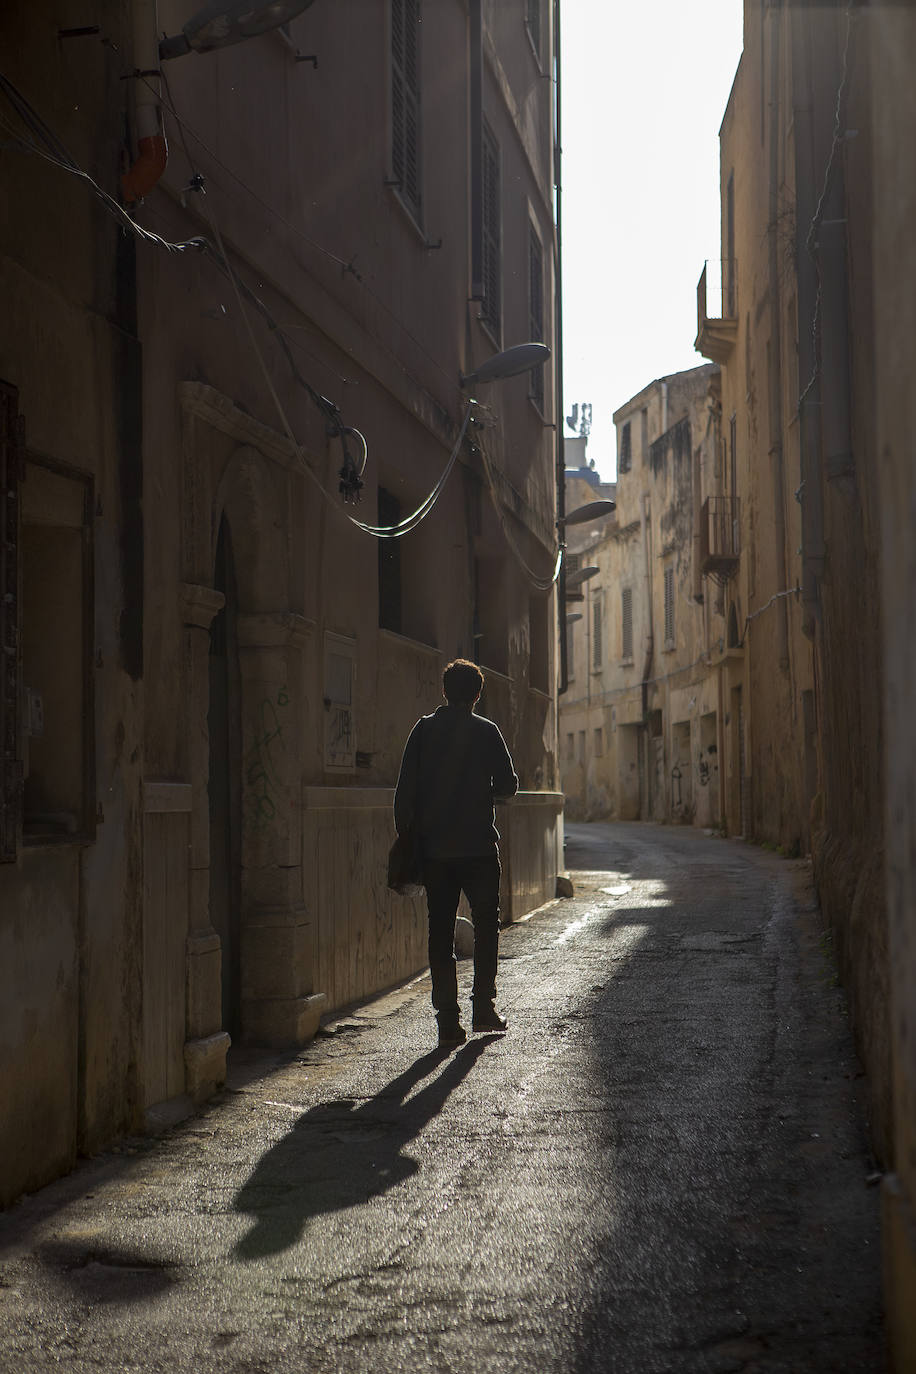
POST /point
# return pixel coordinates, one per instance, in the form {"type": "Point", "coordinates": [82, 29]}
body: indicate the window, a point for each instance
{"type": "Point", "coordinates": [570, 747]}
{"type": "Point", "coordinates": [339, 725]}
{"type": "Point", "coordinates": [405, 103]}
{"type": "Point", "coordinates": [536, 310]}
{"type": "Point", "coordinates": [626, 624]}
{"type": "Point", "coordinates": [12, 459]}
{"type": "Point", "coordinates": [599, 742]}
{"type": "Point", "coordinates": [597, 636]}
{"type": "Point", "coordinates": [625, 457]}
{"type": "Point", "coordinates": [570, 650]}
{"type": "Point", "coordinates": [534, 23]}
{"type": "Point", "coordinates": [491, 614]}
{"type": "Point", "coordinates": [491, 301]}
{"type": "Point", "coordinates": [581, 746]}
{"type": "Point", "coordinates": [55, 643]}
{"type": "Point", "coordinates": [389, 565]}
{"type": "Point", "coordinates": [669, 608]}
{"type": "Point", "coordinates": [538, 638]}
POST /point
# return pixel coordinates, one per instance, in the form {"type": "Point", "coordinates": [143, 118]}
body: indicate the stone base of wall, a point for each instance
{"type": "Point", "coordinates": [899, 1233]}
{"type": "Point", "coordinates": [850, 888]}
{"type": "Point", "coordinates": [366, 938]}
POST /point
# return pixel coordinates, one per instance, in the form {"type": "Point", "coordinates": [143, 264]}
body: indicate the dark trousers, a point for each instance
{"type": "Point", "coordinates": [444, 880]}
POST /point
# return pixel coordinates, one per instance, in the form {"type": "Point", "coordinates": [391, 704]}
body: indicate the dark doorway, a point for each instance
{"type": "Point", "coordinates": [225, 730]}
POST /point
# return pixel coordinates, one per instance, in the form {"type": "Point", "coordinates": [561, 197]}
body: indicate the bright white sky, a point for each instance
{"type": "Point", "coordinates": [645, 83]}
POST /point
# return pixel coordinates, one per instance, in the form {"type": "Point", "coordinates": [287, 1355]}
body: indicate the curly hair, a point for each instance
{"type": "Point", "coordinates": [462, 682]}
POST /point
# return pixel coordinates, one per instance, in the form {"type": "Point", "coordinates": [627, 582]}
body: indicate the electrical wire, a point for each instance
{"type": "Point", "coordinates": [777, 596]}
{"type": "Point", "coordinates": [50, 148]}
{"type": "Point", "coordinates": [411, 521]}
{"type": "Point", "coordinates": [346, 267]}
{"type": "Point", "coordinates": [543, 584]}
{"type": "Point", "coordinates": [378, 531]}
{"type": "Point", "coordinates": [55, 152]}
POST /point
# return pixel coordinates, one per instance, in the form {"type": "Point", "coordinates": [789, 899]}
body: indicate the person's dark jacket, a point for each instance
{"type": "Point", "coordinates": [455, 765]}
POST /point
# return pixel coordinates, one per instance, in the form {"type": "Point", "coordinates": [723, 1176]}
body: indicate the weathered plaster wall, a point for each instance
{"type": "Point", "coordinates": [893, 108]}
{"type": "Point", "coordinates": [648, 734]}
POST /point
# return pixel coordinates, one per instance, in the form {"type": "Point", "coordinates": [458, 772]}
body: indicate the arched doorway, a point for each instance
{"type": "Point", "coordinates": [224, 782]}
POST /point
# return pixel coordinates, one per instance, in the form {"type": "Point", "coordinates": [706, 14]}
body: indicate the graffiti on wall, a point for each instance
{"type": "Point", "coordinates": [264, 761]}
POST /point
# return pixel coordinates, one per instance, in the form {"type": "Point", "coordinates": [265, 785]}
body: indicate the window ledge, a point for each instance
{"type": "Point", "coordinates": [488, 329]}
{"type": "Point", "coordinates": [534, 52]}
{"type": "Point", "coordinates": [406, 211]}
{"type": "Point", "coordinates": [626, 662]}
{"type": "Point", "coordinates": [411, 643]}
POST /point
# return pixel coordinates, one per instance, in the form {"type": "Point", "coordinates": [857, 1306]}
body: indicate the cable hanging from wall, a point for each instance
{"type": "Point", "coordinates": [542, 583]}
{"type": "Point", "coordinates": [44, 143]}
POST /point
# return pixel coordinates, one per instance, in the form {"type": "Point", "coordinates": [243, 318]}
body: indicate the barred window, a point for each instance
{"type": "Point", "coordinates": [536, 310]}
{"type": "Point", "coordinates": [491, 302]}
{"type": "Point", "coordinates": [625, 457]}
{"type": "Point", "coordinates": [405, 102]}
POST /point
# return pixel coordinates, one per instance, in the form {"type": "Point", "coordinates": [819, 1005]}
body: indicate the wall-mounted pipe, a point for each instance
{"type": "Point", "coordinates": [558, 357]}
{"type": "Point", "coordinates": [645, 534]}
{"type": "Point", "coordinates": [774, 352]}
{"type": "Point", "coordinates": [152, 149]}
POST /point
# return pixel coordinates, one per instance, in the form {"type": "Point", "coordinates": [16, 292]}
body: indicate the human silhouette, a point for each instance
{"type": "Point", "coordinates": [455, 766]}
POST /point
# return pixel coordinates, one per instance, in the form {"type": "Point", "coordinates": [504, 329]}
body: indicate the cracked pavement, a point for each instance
{"type": "Point", "coordinates": [661, 1167]}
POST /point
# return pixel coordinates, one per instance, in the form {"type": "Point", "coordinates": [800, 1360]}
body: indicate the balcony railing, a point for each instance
{"type": "Point", "coordinates": [720, 536]}
{"type": "Point", "coordinates": [717, 290]}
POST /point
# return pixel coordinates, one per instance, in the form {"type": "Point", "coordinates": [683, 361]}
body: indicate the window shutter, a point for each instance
{"type": "Point", "coordinates": [534, 27]}
{"type": "Point", "coordinates": [490, 309]}
{"type": "Point", "coordinates": [12, 471]}
{"type": "Point", "coordinates": [669, 606]}
{"type": "Point", "coordinates": [597, 648]}
{"type": "Point", "coordinates": [623, 462]}
{"type": "Point", "coordinates": [405, 100]}
{"type": "Point", "coordinates": [626, 617]}
{"type": "Point", "coordinates": [536, 309]}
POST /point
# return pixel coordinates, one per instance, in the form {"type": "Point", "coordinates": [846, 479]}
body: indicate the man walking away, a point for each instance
{"type": "Point", "coordinates": [455, 766]}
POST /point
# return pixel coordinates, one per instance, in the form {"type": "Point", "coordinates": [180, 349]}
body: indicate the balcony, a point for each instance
{"type": "Point", "coordinates": [720, 537]}
{"type": "Point", "coordinates": [718, 289]}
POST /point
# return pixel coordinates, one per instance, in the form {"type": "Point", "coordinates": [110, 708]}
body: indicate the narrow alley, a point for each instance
{"type": "Point", "coordinates": [661, 1167]}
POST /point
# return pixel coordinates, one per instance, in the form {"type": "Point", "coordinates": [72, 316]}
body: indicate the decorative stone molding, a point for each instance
{"type": "Point", "coordinates": [160, 796]}
{"type": "Point", "coordinates": [206, 403]}
{"type": "Point", "coordinates": [200, 604]}
{"type": "Point", "coordinates": [348, 798]}
{"type": "Point", "coordinates": [554, 801]}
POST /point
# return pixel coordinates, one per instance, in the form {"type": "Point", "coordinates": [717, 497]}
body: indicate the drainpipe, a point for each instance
{"type": "Point", "coordinates": [152, 149]}
{"type": "Point", "coordinates": [558, 356]}
{"type": "Point", "coordinates": [664, 428]}
{"type": "Point", "coordinates": [808, 178]}
{"type": "Point", "coordinates": [644, 533]}
{"type": "Point", "coordinates": [774, 369]}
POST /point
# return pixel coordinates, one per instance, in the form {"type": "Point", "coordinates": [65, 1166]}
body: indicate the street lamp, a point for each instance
{"type": "Point", "coordinates": [224, 22]}
{"type": "Point", "coordinates": [582, 515]}
{"type": "Point", "coordinates": [594, 510]}
{"type": "Point", "coordinates": [575, 579]}
{"type": "Point", "coordinates": [512, 361]}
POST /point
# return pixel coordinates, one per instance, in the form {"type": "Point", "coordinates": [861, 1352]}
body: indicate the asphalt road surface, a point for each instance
{"type": "Point", "coordinates": [661, 1167]}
